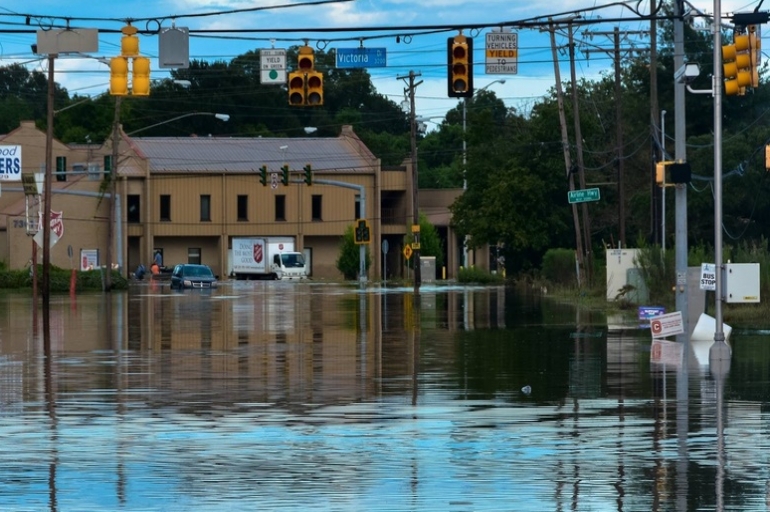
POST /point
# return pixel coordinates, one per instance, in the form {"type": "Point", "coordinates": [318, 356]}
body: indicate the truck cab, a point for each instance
{"type": "Point", "coordinates": [289, 265]}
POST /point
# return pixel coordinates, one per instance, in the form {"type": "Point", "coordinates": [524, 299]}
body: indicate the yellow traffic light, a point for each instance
{"type": "Point", "coordinates": [755, 53]}
{"type": "Point", "coordinates": [296, 88]}
{"type": "Point", "coordinates": [737, 65]}
{"type": "Point", "coordinates": [119, 76]}
{"type": "Point", "coordinates": [305, 59]}
{"type": "Point", "coordinates": [141, 77]}
{"type": "Point", "coordinates": [767, 157]}
{"type": "Point", "coordinates": [315, 88]}
{"type": "Point", "coordinates": [460, 64]}
{"type": "Point", "coordinates": [660, 173]}
{"type": "Point", "coordinates": [129, 43]}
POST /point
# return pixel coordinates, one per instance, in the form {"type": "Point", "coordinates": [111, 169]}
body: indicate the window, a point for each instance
{"type": "Point", "coordinates": [280, 207]}
{"type": "Point", "coordinates": [357, 212]}
{"type": "Point", "coordinates": [165, 208]}
{"type": "Point", "coordinates": [108, 164]}
{"type": "Point", "coordinates": [194, 255]}
{"type": "Point", "coordinates": [61, 168]}
{"type": "Point", "coordinates": [205, 208]}
{"type": "Point", "coordinates": [243, 208]}
{"type": "Point", "coordinates": [133, 209]}
{"type": "Point", "coordinates": [94, 172]}
{"type": "Point", "coordinates": [316, 208]}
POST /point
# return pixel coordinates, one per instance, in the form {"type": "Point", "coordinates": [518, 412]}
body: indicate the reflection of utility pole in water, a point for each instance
{"type": "Point", "coordinates": [50, 402]}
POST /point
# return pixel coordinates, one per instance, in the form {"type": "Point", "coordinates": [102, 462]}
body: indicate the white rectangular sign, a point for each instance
{"type": "Point", "coordinates": [502, 53]}
{"type": "Point", "coordinates": [708, 276]}
{"type": "Point", "coordinates": [667, 325]}
{"type": "Point", "coordinates": [10, 163]}
{"type": "Point", "coordinates": [666, 352]}
{"type": "Point", "coordinates": [272, 66]}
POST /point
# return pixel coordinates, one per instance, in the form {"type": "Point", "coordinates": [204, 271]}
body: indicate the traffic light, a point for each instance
{"type": "Point", "coordinates": [119, 76]}
{"type": "Point", "coordinates": [285, 175]}
{"type": "Point", "coordinates": [305, 59]}
{"type": "Point", "coordinates": [140, 85]}
{"type": "Point", "coordinates": [308, 174]}
{"type": "Point", "coordinates": [678, 172]}
{"type": "Point", "coordinates": [129, 43]}
{"type": "Point", "coordinates": [315, 88]}
{"type": "Point", "coordinates": [362, 232]}
{"type": "Point", "coordinates": [755, 53]}
{"type": "Point", "coordinates": [737, 65]}
{"type": "Point", "coordinates": [263, 175]}
{"type": "Point", "coordinates": [660, 173]}
{"type": "Point", "coordinates": [460, 67]}
{"type": "Point", "coordinates": [296, 88]}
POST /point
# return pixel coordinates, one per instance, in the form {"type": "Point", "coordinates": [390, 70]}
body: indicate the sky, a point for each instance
{"type": "Point", "coordinates": [407, 29]}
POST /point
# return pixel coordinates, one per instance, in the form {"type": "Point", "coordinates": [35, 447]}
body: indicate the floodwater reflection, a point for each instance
{"type": "Point", "coordinates": [287, 396]}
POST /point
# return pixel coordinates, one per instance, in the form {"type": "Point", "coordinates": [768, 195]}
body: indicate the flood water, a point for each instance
{"type": "Point", "coordinates": [286, 396]}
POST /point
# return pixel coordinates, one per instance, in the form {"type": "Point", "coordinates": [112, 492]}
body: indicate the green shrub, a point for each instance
{"type": "Point", "coordinates": [559, 267]}
{"type": "Point", "coordinates": [478, 275]}
{"type": "Point", "coordinates": [59, 279]}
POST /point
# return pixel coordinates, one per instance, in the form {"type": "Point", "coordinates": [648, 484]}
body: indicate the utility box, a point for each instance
{"type": "Point", "coordinates": [619, 262]}
{"type": "Point", "coordinates": [741, 283]}
{"type": "Point", "coordinates": [428, 269]}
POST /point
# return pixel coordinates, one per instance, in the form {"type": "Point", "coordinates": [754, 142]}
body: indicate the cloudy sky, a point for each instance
{"type": "Point", "coordinates": [406, 29]}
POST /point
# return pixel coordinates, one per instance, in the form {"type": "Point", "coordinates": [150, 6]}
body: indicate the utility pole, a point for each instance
{"type": "Point", "coordinates": [47, 190]}
{"type": "Point", "coordinates": [113, 189]}
{"type": "Point", "coordinates": [567, 157]}
{"type": "Point", "coordinates": [616, 54]}
{"type": "Point", "coordinates": [657, 235]}
{"type": "Point", "coordinates": [415, 210]}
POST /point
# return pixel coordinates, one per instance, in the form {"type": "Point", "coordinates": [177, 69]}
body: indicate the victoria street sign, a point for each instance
{"type": "Point", "coordinates": [361, 58]}
{"type": "Point", "coordinates": [583, 196]}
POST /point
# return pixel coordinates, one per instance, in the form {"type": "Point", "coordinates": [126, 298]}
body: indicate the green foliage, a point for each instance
{"type": "Point", "coordinates": [479, 276]}
{"type": "Point", "coordinates": [60, 279]}
{"type": "Point", "coordinates": [430, 242]}
{"type": "Point", "coordinates": [559, 267]}
{"type": "Point", "coordinates": [349, 260]}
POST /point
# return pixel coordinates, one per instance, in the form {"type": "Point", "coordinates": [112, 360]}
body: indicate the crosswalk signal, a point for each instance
{"type": "Point", "coordinates": [308, 174]}
{"type": "Point", "coordinates": [263, 175]}
{"type": "Point", "coordinates": [736, 60]}
{"type": "Point", "coordinates": [119, 76]}
{"type": "Point", "coordinates": [362, 233]}
{"type": "Point", "coordinates": [315, 88]}
{"type": "Point", "coordinates": [460, 67]}
{"type": "Point", "coordinates": [285, 175]}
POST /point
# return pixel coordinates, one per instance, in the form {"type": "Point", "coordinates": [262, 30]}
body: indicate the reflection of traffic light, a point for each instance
{"type": "Point", "coordinates": [119, 76]}
{"type": "Point", "coordinates": [755, 53]}
{"type": "Point", "coordinates": [285, 175]}
{"type": "Point", "coordinates": [296, 88]}
{"type": "Point", "coordinates": [263, 175]}
{"type": "Point", "coordinates": [308, 174]}
{"type": "Point", "coordinates": [362, 233]}
{"type": "Point", "coordinates": [315, 88]}
{"type": "Point", "coordinates": [737, 65]}
{"type": "Point", "coordinates": [141, 77]}
{"type": "Point", "coordinates": [460, 67]}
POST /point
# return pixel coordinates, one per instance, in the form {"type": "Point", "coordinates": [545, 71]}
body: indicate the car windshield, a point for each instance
{"type": "Point", "coordinates": [198, 272]}
{"type": "Point", "coordinates": [293, 260]}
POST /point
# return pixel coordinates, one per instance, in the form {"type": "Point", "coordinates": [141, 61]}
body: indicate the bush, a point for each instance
{"type": "Point", "coordinates": [559, 267]}
{"type": "Point", "coordinates": [480, 276]}
{"type": "Point", "coordinates": [90, 280]}
{"type": "Point", "coordinates": [349, 260]}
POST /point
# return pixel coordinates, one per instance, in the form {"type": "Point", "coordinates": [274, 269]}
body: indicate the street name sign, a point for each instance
{"type": "Point", "coordinates": [502, 53]}
{"type": "Point", "coordinates": [350, 58]}
{"type": "Point", "coordinates": [583, 196]}
{"type": "Point", "coordinates": [272, 63]}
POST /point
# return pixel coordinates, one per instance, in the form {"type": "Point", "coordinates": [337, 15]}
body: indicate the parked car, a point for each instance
{"type": "Point", "coordinates": [187, 275]}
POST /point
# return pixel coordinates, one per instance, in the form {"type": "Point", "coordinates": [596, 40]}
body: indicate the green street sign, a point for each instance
{"type": "Point", "coordinates": [583, 196]}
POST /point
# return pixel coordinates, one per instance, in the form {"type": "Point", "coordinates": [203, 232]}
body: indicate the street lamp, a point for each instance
{"type": "Point", "coordinates": [465, 154]}
{"type": "Point", "coordinates": [221, 117]}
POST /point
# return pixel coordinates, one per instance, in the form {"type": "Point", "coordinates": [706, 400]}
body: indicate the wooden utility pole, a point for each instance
{"type": "Point", "coordinates": [415, 210]}
{"type": "Point", "coordinates": [113, 176]}
{"type": "Point", "coordinates": [47, 189]}
{"type": "Point", "coordinates": [567, 158]}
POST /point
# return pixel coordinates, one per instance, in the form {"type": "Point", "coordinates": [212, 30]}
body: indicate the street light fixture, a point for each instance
{"type": "Point", "coordinates": [465, 153]}
{"type": "Point", "coordinates": [221, 117]}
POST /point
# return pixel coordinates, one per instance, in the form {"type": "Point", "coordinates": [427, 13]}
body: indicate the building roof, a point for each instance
{"type": "Point", "coordinates": [247, 154]}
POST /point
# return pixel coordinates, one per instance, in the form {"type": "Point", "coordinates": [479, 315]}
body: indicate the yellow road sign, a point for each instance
{"type": "Point", "coordinates": [407, 252]}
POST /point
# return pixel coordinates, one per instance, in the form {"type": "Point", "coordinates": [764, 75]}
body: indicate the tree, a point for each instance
{"type": "Point", "coordinates": [430, 241]}
{"type": "Point", "coordinates": [349, 261]}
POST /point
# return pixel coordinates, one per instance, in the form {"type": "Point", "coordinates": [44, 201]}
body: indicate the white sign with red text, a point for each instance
{"type": "Point", "coordinates": [667, 325]}
{"type": "Point", "coordinates": [57, 229]}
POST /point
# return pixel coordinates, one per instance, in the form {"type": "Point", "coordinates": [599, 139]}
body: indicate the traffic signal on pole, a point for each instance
{"type": "Point", "coordinates": [361, 232]}
{"type": "Point", "coordinates": [460, 67]}
{"type": "Point", "coordinates": [119, 76]}
{"type": "Point", "coordinates": [755, 53]}
{"type": "Point", "coordinates": [660, 173]}
{"type": "Point", "coordinates": [296, 88]}
{"type": "Point", "coordinates": [736, 60]}
{"type": "Point", "coordinates": [285, 175]}
{"type": "Point", "coordinates": [308, 174]}
{"type": "Point", "coordinates": [140, 84]}
{"type": "Point", "coordinates": [263, 175]}
{"type": "Point", "coordinates": [315, 88]}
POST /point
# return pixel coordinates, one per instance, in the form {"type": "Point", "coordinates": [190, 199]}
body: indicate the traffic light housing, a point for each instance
{"type": "Point", "coordinates": [305, 59]}
{"type": "Point", "coordinates": [660, 173]}
{"type": "Point", "coordinates": [119, 76]}
{"type": "Point", "coordinates": [736, 60]}
{"type": "Point", "coordinates": [362, 232]}
{"type": "Point", "coordinates": [285, 175]}
{"type": "Point", "coordinates": [140, 85]}
{"type": "Point", "coordinates": [296, 88]}
{"type": "Point", "coordinates": [460, 67]}
{"type": "Point", "coordinates": [678, 173]}
{"type": "Point", "coordinates": [308, 174]}
{"type": "Point", "coordinates": [315, 89]}
{"type": "Point", "coordinates": [755, 53]}
{"type": "Point", "coordinates": [263, 175]}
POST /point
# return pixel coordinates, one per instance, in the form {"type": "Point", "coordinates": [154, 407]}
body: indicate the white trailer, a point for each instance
{"type": "Point", "coordinates": [266, 258]}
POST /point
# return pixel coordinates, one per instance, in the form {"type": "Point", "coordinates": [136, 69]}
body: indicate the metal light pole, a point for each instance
{"type": "Point", "coordinates": [465, 155]}
{"type": "Point", "coordinates": [663, 188]}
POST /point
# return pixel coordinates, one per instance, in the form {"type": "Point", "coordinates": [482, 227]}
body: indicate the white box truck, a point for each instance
{"type": "Point", "coordinates": [271, 257]}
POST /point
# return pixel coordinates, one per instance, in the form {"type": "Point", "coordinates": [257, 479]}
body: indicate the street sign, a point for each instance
{"type": "Point", "coordinates": [583, 196]}
{"type": "Point", "coordinates": [385, 247]}
{"type": "Point", "coordinates": [502, 53]}
{"type": "Point", "coordinates": [407, 252]}
{"type": "Point", "coordinates": [708, 276]}
{"type": "Point", "coordinates": [273, 66]}
{"type": "Point", "coordinates": [667, 325]}
{"type": "Point", "coordinates": [349, 58]}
